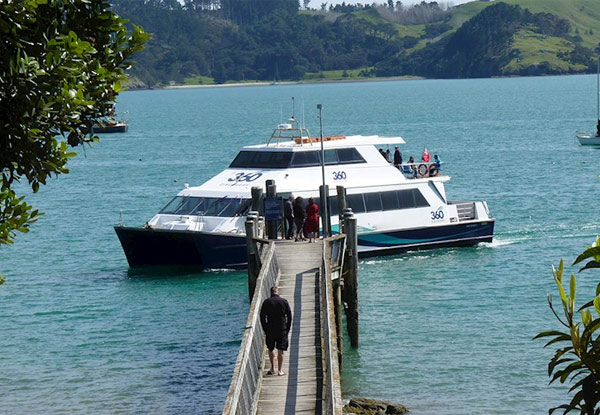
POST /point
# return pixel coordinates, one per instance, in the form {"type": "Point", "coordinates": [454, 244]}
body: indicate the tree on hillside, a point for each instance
{"type": "Point", "coordinates": [578, 360]}
{"type": "Point", "coordinates": [61, 67]}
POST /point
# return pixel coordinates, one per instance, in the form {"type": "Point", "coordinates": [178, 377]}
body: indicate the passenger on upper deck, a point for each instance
{"type": "Point", "coordinates": [397, 158]}
{"type": "Point", "coordinates": [383, 154]}
{"type": "Point", "coordinates": [435, 168]}
{"type": "Point", "coordinates": [413, 168]}
{"type": "Point", "coordinates": [425, 157]}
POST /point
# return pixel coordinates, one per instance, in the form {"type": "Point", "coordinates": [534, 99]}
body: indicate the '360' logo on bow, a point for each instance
{"type": "Point", "coordinates": [437, 214]}
{"type": "Point", "coordinates": [244, 177]}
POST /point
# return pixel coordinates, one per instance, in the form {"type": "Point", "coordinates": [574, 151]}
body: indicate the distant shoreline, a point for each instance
{"type": "Point", "coordinates": [312, 81]}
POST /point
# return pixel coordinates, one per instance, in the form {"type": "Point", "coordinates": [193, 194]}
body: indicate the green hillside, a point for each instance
{"type": "Point", "coordinates": [245, 40]}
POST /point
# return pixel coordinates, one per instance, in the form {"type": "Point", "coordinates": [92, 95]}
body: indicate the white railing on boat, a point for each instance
{"type": "Point", "coordinates": [420, 170]}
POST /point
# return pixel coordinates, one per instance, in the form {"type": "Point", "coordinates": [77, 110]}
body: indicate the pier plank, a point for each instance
{"type": "Point", "coordinates": [298, 392]}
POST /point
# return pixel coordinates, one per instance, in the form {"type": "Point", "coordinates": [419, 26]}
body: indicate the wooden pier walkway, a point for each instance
{"type": "Point", "coordinates": [311, 384]}
{"type": "Point", "coordinates": [299, 391]}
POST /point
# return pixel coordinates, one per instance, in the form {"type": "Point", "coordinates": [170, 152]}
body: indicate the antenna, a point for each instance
{"type": "Point", "coordinates": [293, 106]}
{"type": "Point", "coordinates": [303, 124]}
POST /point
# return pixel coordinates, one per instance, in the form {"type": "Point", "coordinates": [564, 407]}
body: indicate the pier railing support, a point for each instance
{"type": "Point", "coordinates": [350, 292]}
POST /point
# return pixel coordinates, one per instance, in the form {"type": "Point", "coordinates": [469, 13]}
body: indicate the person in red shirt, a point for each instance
{"type": "Point", "coordinates": [312, 220]}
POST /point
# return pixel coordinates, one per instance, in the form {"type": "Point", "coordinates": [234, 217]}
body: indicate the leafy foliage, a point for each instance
{"type": "Point", "coordinates": [577, 361]}
{"type": "Point", "coordinates": [61, 68]}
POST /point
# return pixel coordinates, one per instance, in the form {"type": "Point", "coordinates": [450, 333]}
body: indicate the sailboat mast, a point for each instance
{"type": "Point", "coordinates": [598, 89]}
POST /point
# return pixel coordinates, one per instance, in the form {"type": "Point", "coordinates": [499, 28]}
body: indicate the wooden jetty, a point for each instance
{"type": "Point", "coordinates": [317, 279]}
{"type": "Point", "coordinates": [306, 274]}
{"type": "Point", "coordinates": [300, 390]}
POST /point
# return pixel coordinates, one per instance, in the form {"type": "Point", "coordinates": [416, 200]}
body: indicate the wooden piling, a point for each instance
{"type": "Point", "coordinates": [271, 224]}
{"type": "Point", "coordinates": [251, 254]}
{"type": "Point", "coordinates": [257, 199]}
{"type": "Point", "coordinates": [351, 277]}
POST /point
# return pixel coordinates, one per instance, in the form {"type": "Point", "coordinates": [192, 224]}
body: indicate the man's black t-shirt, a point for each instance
{"type": "Point", "coordinates": [275, 315]}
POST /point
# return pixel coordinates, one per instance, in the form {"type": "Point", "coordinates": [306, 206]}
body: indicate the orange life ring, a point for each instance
{"type": "Point", "coordinates": [433, 171]}
{"type": "Point", "coordinates": [424, 172]}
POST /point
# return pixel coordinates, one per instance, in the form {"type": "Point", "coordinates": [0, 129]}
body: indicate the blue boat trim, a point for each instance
{"type": "Point", "coordinates": [435, 234]}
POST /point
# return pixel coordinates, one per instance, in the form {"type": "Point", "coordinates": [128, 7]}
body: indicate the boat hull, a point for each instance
{"type": "Point", "coordinates": [107, 129]}
{"type": "Point", "coordinates": [393, 242]}
{"type": "Point", "coordinates": [149, 247]}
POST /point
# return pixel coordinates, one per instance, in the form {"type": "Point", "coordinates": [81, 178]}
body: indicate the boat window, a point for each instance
{"type": "Point", "coordinates": [356, 203]}
{"type": "Point", "coordinates": [181, 205]}
{"type": "Point", "coordinates": [331, 157]}
{"type": "Point", "coordinates": [411, 198]}
{"type": "Point", "coordinates": [373, 202]}
{"type": "Point", "coordinates": [262, 159]}
{"type": "Point", "coordinates": [390, 200]}
{"type": "Point", "coordinates": [207, 206]}
{"type": "Point", "coordinates": [306, 159]}
{"type": "Point", "coordinates": [349, 155]}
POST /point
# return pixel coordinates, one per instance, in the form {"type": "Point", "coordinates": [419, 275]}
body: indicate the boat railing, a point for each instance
{"type": "Point", "coordinates": [420, 170]}
{"type": "Point", "coordinates": [290, 131]}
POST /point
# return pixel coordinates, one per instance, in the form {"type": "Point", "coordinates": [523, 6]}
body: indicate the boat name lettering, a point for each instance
{"type": "Point", "coordinates": [437, 214]}
{"type": "Point", "coordinates": [339, 175]}
{"type": "Point", "coordinates": [244, 177]}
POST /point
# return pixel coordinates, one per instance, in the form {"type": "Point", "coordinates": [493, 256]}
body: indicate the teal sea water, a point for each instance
{"type": "Point", "coordinates": [444, 332]}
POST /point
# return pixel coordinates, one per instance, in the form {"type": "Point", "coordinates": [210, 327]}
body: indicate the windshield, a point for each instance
{"type": "Point", "coordinates": [207, 206]}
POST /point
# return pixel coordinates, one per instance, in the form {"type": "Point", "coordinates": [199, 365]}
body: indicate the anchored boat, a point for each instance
{"type": "Point", "coordinates": [591, 139]}
{"type": "Point", "coordinates": [397, 209]}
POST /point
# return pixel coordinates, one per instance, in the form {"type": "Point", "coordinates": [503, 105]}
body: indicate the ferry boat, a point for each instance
{"type": "Point", "coordinates": [397, 209]}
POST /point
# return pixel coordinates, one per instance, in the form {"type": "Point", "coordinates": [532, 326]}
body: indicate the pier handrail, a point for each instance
{"type": "Point", "coordinates": [332, 394]}
{"type": "Point", "coordinates": [242, 397]}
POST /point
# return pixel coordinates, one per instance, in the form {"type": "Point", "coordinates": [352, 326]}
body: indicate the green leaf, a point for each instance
{"type": "Point", "coordinates": [588, 253]}
{"type": "Point", "coordinates": [572, 288]}
{"type": "Point", "coordinates": [597, 304]}
{"type": "Point", "coordinates": [590, 265]}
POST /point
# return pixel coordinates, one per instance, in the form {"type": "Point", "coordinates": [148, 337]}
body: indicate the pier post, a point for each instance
{"type": "Point", "coordinates": [251, 253]}
{"type": "Point", "coordinates": [351, 277]}
{"type": "Point", "coordinates": [341, 198]}
{"type": "Point", "coordinates": [257, 196]}
{"type": "Point", "coordinates": [325, 210]}
{"type": "Point", "coordinates": [271, 224]}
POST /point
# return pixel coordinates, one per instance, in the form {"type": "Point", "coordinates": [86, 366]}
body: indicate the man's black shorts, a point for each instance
{"type": "Point", "coordinates": [277, 341]}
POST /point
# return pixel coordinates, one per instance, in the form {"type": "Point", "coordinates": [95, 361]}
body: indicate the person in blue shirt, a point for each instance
{"type": "Point", "coordinates": [437, 166]}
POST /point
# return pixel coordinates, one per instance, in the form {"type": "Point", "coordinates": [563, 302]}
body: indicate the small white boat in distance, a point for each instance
{"type": "Point", "coordinates": [591, 139]}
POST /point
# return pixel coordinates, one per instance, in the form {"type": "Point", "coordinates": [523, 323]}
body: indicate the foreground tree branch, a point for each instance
{"type": "Point", "coordinates": [61, 67]}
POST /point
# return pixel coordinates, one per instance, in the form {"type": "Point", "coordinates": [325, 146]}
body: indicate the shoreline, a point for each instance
{"type": "Point", "coordinates": [311, 81]}
{"type": "Point", "coordinates": [323, 81]}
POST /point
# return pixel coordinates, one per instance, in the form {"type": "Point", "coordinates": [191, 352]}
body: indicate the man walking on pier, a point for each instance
{"type": "Point", "coordinates": [276, 321]}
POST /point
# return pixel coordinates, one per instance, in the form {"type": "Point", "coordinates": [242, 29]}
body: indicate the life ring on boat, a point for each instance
{"type": "Point", "coordinates": [423, 169]}
{"type": "Point", "coordinates": [433, 171]}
